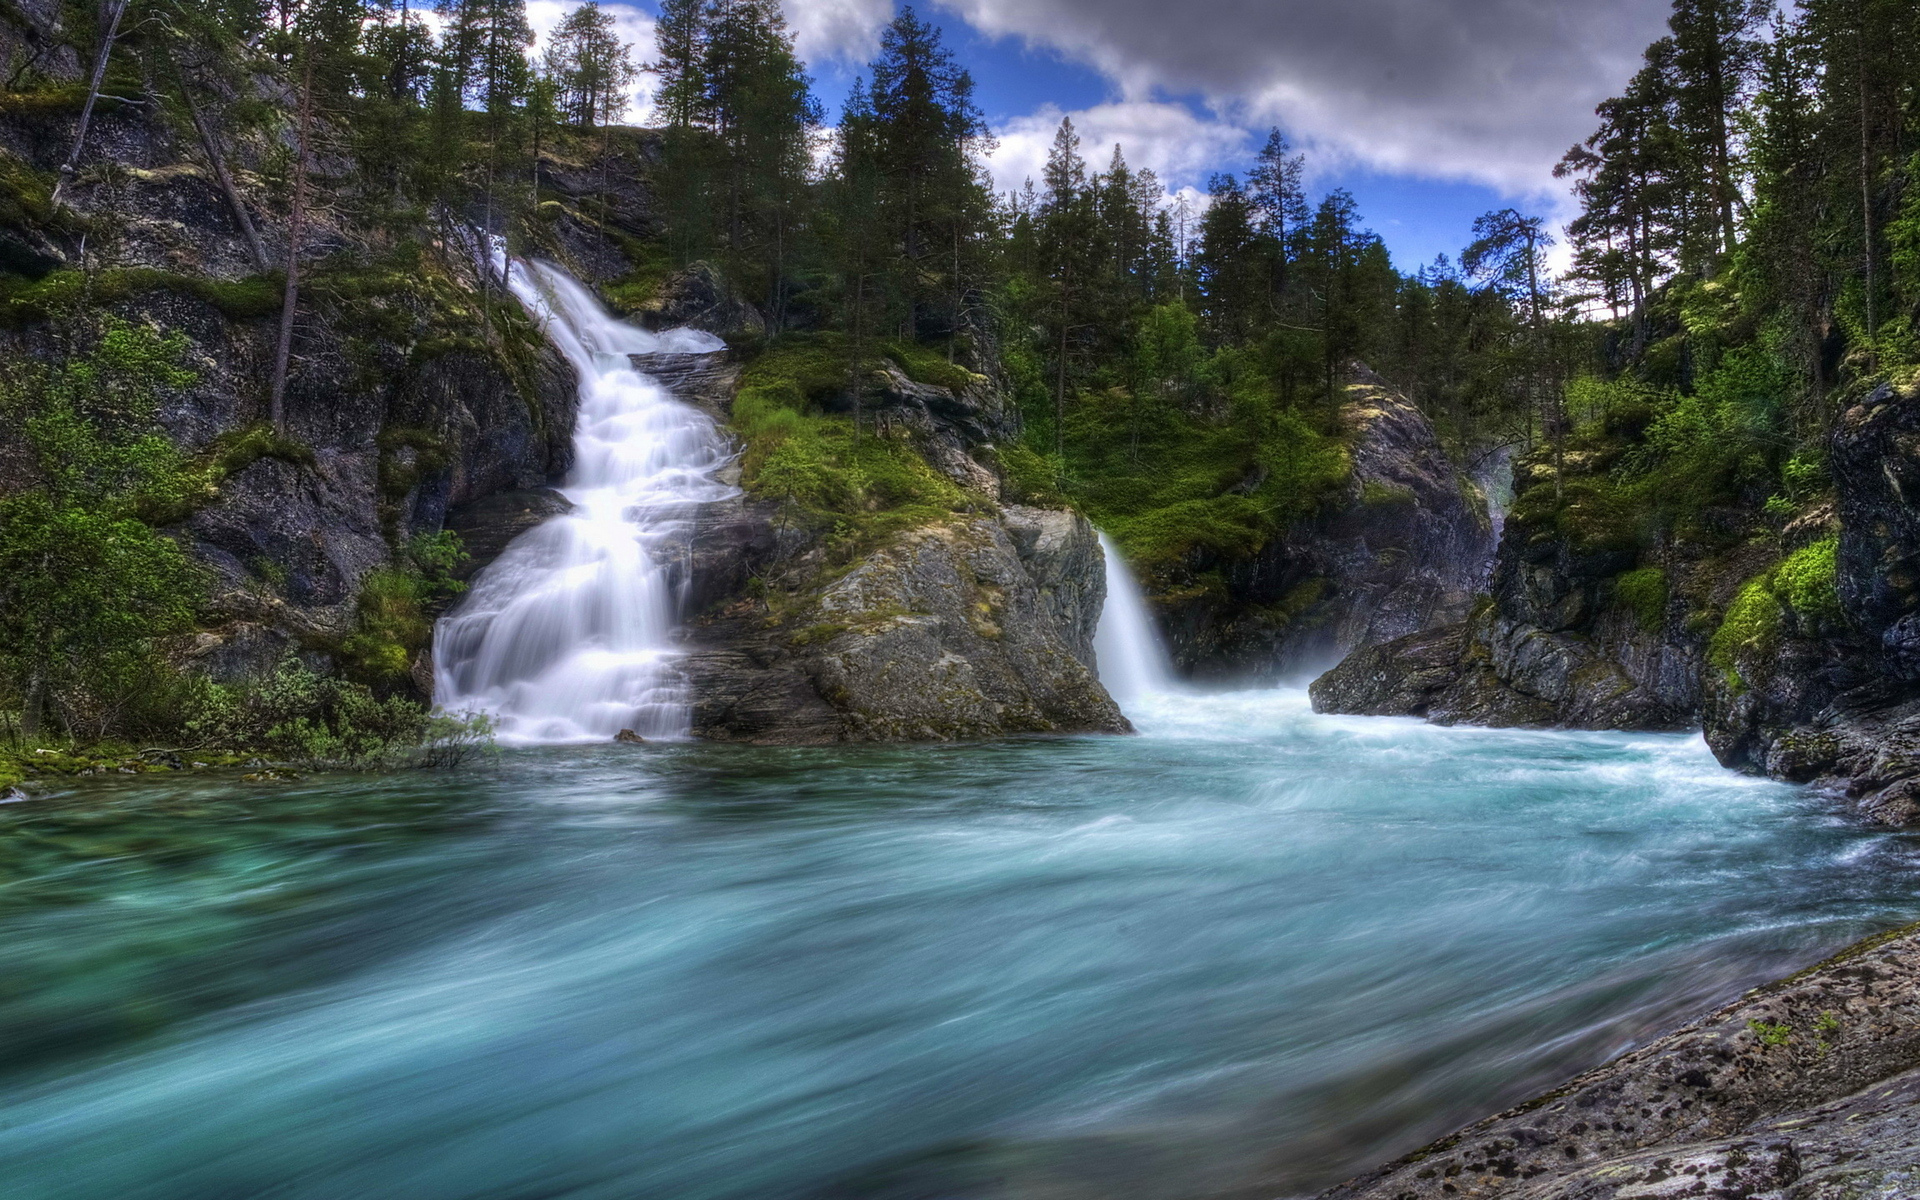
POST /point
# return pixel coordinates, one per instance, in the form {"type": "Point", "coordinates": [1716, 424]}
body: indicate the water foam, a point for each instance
{"type": "Point", "coordinates": [566, 637]}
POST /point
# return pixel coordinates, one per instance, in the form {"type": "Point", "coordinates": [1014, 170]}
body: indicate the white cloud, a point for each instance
{"type": "Point", "coordinates": [837, 30]}
{"type": "Point", "coordinates": [1169, 138]}
{"type": "Point", "coordinates": [1492, 91]}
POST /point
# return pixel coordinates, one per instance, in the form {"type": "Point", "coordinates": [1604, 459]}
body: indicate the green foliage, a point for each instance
{"type": "Point", "coordinates": [299, 716]}
{"type": "Point", "coordinates": [1645, 592]}
{"type": "Point", "coordinates": [1029, 477]}
{"type": "Point", "coordinates": [24, 302]}
{"type": "Point", "coordinates": [867, 484]}
{"type": "Point", "coordinates": [396, 607]}
{"type": "Point", "coordinates": [1168, 484]}
{"type": "Point", "coordinates": [1770, 1034]}
{"type": "Point", "coordinates": [89, 591]}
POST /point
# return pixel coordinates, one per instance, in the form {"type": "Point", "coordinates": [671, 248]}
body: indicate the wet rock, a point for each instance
{"type": "Point", "coordinates": [488, 524]}
{"type": "Point", "coordinates": [1807, 1089]}
{"type": "Point", "coordinates": [706, 381]}
{"type": "Point", "coordinates": [390, 424]}
{"type": "Point", "coordinates": [630, 738]}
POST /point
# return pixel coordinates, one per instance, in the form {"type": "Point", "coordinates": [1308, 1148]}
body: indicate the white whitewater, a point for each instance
{"type": "Point", "coordinates": [1131, 662]}
{"type": "Point", "coordinates": [566, 636]}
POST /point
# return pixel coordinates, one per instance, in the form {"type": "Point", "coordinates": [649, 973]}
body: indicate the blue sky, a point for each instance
{"type": "Point", "coordinates": [1429, 111]}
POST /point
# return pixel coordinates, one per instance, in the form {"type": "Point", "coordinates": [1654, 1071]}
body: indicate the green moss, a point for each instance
{"type": "Point", "coordinates": [814, 634]}
{"type": "Point", "coordinates": [1750, 628]}
{"type": "Point", "coordinates": [231, 453]}
{"type": "Point", "coordinates": [863, 485]}
{"type": "Point", "coordinates": [24, 303]}
{"type": "Point", "coordinates": [1590, 513]}
{"type": "Point", "coordinates": [1028, 476]}
{"type": "Point", "coordinates": [26, 195]}
{"type": "Point", "coordinates": [1296, 604]}
{"type": "Point", "coordinates": [641, 286]}
{"type": "Point", "coordinates": [1808, 581]}
{"type": "Point", "coordinates": [408, 456]}
{"type": "Point", "coordinates": [1645, 592]}
{"type": "Point", "coordinates": [922, 364]}
{"type": "Point", "coordinates": [1374, 494]}
{"type": "Point", "coordinates": [60, 101]}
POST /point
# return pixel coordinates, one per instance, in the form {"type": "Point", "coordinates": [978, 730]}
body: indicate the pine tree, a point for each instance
{"type": "Point", "coordinates": [1068, 219]}
{"type": "Point", "coordinates": [927, 140]}
{"type": "Point", "coordinates": [591, 68]}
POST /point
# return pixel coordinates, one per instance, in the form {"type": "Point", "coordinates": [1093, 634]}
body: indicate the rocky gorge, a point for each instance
{"type": "Point", "coordinates": [1788, 644]}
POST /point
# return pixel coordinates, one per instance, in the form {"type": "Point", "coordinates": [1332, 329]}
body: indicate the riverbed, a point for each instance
{"type": "Point", "coordinates": [1248, 952]}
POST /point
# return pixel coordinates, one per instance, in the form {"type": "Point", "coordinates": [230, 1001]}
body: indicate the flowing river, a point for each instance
{"type": "Point", "coordinates": [1246, 953]}
{"type": "Point", "coordinates": [1253, 948]}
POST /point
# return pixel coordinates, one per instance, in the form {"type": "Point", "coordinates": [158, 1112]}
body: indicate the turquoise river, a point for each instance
{"type": "Point", "coordinates": [1244, 954]}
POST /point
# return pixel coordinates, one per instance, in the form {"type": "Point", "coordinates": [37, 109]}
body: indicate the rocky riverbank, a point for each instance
{"type": "Point", "coordinates": [1806, 1089]}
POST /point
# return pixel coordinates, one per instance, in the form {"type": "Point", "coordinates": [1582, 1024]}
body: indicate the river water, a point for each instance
{"type": "Point", "coordinates": [1245, 953]}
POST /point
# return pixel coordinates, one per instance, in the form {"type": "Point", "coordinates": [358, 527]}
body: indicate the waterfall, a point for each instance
{"type": "Point", "coordinates": [1132, 663]}
{"type": "Point", "coordinates": [566, 636]}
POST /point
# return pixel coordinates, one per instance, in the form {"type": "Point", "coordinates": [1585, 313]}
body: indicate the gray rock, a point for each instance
{"type": "Point", "coordinates": [698, 297]}
{"type": "Point", "coordinates": [706, 381]}
{"type": "Point", "coordinates": [1402, 548]}
{"type": "Point", "coordinates": [945, 632]}
{"type": "Point", "coordinates": [1807, 1089]}
{"type": "Point", "coordinates": [487, 525]}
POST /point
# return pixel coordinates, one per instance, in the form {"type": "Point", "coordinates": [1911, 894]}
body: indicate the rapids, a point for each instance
{"type": "Point", "coordinates": [1251, 947]}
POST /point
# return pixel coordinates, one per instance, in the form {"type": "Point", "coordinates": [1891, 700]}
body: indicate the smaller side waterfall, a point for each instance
{"type": "Point", "coordinates": [1132, 662]}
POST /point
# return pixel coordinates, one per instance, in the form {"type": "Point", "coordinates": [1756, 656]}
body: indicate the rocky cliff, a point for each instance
{"type": "Point", "coordinates": [1401, 546]}
{"type": "Point", "coordinates": [1791, 646]}
{"type": "Point", "coordinates": [416, 389]}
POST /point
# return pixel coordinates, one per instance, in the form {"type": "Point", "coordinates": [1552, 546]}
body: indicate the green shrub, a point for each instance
{"type": "Point", "coordinates": [299, 716]}
{"type": "Point", "coordinates": [396, 607]}
{"type": "Point", "coordinates": [90, 592]}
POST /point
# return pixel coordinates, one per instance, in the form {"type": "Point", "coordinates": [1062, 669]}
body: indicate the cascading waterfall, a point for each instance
{"type": "Point", "coordinates": [1132, 663]}
{"type": "Point", "coordinates": [566, 636]}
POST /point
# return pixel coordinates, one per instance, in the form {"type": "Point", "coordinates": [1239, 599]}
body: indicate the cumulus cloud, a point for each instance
{"type": "Point", "coordinates": [839, 30]}
{"type": "Point", "coordinates": [1178, 145]}
{"type": "Point", "coordinates": [1492, 91]}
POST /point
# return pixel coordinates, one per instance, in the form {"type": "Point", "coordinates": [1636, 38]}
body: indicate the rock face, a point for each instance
{"type": "Point", "coordinates": [1837, 702]}
{"type": "Point", "coordinates": [949, 631]}
{"type": "Point", "coordinates": [1574, 636]}
{"type": "Point", "coordinates": [699, 297]}
{"type": "Point", "coordinates": [1807, 1089]}
{"type": "Point", "coordinates": [1402, 548]}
